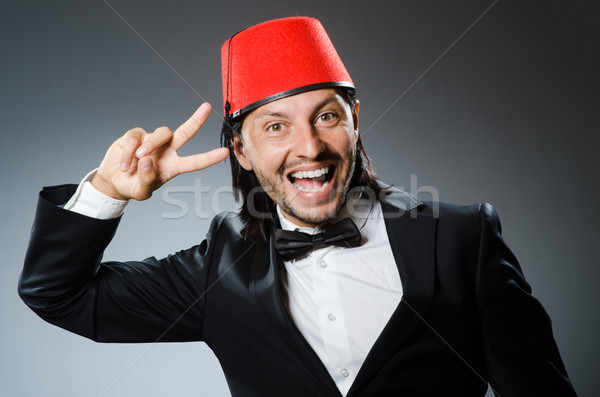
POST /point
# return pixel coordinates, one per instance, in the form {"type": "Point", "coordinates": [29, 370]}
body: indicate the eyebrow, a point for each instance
{"type": "Point", "coordinates": [325, 102]}
{"type": "Point", "coordinates": [285, 115]}
{"type": "Point", "coordinates": [270, 114]}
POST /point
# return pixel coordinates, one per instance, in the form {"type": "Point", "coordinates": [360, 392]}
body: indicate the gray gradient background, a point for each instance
{"type": "Point", "coordinates": [508, 115]}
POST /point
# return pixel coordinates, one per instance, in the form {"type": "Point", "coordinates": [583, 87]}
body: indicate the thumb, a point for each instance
{"type": "Point", "coordinates": [146, 175]}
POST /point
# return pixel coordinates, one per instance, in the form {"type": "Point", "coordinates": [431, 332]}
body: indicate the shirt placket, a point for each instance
{"type": "Point", "coordinates": [331, 316]}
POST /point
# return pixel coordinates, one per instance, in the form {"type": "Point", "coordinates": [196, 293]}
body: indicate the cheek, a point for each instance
{"type": "Point", "coordinates": [346, 143]}
{"type": "Point", "coordinates": [268, 159]}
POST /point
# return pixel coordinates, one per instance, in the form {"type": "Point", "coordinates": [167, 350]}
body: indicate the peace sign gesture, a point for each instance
{"type": "Point", "coordinates": [138, 163]}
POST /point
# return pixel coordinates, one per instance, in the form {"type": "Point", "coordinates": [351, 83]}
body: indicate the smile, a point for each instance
{"type": "Point", "coordinates": [312, 181]}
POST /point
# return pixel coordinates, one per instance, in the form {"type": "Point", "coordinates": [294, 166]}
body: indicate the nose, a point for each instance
{"type": "Point", "coordinates": [308, 142]}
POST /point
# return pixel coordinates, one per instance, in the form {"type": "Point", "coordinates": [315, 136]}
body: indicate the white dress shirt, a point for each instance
{"type": "Point", "coordinates": [339, 298]}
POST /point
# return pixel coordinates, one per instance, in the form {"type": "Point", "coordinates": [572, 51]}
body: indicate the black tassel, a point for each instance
{"type": "Point", "coordinates": [226, 130]}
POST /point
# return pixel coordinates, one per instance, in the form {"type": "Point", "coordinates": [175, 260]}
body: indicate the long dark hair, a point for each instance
{"type": "Point", "coordinates": [255, 200]}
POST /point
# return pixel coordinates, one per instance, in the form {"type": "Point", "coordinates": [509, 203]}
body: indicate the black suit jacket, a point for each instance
{"type": "Point", "coordinates": [466, 317]}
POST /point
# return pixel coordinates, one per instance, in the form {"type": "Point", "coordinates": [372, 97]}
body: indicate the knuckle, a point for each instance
{"type": "Point", "coordinates": [164, 130]}
{"type": "Point", "coordinates": [132, 141]}
{"type": "Point", "coordinates": [183, 131]}
{"type": "Point", "coordinates": [198, 162]}
{"type": "Point", "coordinates": [161, 135]}
{"type": "Point", "coordinates": [137, 131]}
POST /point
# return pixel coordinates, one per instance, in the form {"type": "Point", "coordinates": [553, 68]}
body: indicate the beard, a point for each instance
{"type": "Point", "coordinates": [273, 185]}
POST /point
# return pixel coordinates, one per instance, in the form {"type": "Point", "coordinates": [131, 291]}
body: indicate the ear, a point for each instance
{"type": "Point", "coordinates": [355, 116]}
{"type": "Point", "coordinates": [240, 152]}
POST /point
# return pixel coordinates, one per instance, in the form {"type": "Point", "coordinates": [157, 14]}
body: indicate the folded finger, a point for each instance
{"type": "Point", "coordinates": [131, 141]}
{"type": "Point", "coordinates": [159, 137]}
{"type": "Point", "coordinates": [187, 130]}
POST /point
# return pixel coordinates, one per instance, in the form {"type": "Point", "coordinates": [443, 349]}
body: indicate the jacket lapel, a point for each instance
{"type": "Point", "coordinates": [266, 290]}
{"type": "Point", "coordinates": [412, 239]}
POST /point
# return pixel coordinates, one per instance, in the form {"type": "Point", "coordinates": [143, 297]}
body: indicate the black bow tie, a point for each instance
{"type": "Point", "coordinates": [292, 244]}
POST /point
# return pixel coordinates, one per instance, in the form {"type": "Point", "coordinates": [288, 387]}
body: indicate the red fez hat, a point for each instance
{"type": "Point", "coordinates": [276, 59]}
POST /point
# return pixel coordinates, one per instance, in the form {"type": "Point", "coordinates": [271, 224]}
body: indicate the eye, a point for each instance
{"type": "Point", "coordinates": [277, 127]}
{"type": "Point", "coordinates": [326, 117]}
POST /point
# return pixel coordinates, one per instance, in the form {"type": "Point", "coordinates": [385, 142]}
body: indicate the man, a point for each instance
{"type": "Point", "coordinates": [327, 283]}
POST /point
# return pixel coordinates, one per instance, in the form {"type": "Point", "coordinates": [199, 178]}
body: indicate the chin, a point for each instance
{"type": "Point", "coordinates": [314, 215]}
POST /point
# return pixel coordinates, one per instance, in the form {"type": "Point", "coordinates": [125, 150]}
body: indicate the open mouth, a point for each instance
{"type": "Point", "coordinates": [312, 181]}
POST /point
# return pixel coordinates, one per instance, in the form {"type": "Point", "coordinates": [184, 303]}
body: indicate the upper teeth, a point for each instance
{"type": "Point", "coordinates": [311, 173]}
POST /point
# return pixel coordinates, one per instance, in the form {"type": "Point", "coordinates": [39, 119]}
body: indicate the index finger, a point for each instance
{"type": "Point", "coordinates": [187, 130]}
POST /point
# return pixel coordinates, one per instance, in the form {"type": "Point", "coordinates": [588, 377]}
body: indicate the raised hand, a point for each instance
{"type": "Point", "coordinates": [138, 163]}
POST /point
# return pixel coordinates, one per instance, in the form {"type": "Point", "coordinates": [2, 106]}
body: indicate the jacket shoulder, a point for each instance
{"type": "Point", "coordinates": [459, 213]}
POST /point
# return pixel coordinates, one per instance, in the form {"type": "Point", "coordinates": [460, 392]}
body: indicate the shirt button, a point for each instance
{"type": "Point", "coordinates": [344, 372]}
{"type": "Point", "coordinates": [323, 264]}
{"type": "Point", "coordinates": [331, 317]}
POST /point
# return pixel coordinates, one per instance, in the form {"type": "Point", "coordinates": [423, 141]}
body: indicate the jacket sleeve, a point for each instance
{"type": "Point", "coordinates": [65, 282]}
{"type": "Point", "coordinates": [521, 355]}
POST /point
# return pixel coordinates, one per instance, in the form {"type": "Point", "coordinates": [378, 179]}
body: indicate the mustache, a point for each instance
{"type": "Point", "coordinates": [322, 157]}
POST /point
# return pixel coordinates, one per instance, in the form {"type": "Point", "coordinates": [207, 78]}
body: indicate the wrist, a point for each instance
{"type": "Point", "coordinates": [104, 187]}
